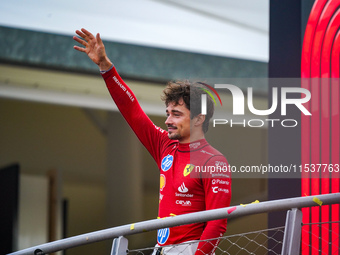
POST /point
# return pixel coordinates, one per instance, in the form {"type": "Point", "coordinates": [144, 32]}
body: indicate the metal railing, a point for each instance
{"type": "Point", "coordinates": [255, 242]}
{"type": "Point", "coordinates": [290, 243]}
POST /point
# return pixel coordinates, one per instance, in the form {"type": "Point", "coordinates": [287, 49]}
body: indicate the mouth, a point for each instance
{"type": "Point", "coordinates": [171, 129]}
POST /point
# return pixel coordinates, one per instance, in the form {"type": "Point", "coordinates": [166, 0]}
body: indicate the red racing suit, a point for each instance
{"type": "Point", "coordinates": [186, 185]}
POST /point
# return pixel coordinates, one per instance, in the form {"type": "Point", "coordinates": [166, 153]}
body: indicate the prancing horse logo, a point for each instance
{"type": "Point", "coordinates": [188, 169]}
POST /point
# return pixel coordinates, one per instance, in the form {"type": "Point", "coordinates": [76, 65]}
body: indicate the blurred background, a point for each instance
{"type": "Point", "coordinates": [76, 165]}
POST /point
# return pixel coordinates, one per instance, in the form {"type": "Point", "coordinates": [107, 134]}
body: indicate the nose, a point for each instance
{"type": "Point", "coordinates": [168, 120]}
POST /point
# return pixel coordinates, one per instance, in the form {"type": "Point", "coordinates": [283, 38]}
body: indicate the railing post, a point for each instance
{"type": "Point", "coordinates": [292, 235]}
{"type": "Point", "coordinates": [119, 246]}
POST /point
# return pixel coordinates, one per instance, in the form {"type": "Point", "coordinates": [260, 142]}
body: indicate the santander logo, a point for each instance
{"type": "Point", "coordinates": [182, 188]}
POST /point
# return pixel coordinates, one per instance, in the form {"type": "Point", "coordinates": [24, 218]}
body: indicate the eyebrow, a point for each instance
{"type": "Point", "coordinates": [174, 111]}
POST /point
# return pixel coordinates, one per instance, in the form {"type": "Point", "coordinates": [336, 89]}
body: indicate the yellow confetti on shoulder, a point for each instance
{"type": "Point", "coordinates": [172, 214]}
{"type": "Point", "coordinates": [132, 227]}
{"type": "Point", "coordinates": [318, 201]}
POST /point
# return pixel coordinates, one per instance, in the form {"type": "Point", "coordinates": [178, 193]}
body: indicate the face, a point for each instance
{"type": "Point", "coordinates": [178, 122]}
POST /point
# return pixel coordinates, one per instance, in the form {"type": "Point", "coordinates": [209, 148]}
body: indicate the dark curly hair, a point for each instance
{"type": "Point", "coordinates": [191, 93]}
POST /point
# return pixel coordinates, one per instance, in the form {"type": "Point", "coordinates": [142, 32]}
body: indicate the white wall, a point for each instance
{"type": "Point", "coordinates": [33, 211]}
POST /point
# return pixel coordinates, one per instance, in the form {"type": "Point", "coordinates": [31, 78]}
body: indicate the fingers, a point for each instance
{"type": "Point", "coordinates": [86, 35]}
{"type": "Point", "coordinates": [82, 42]}
{"type": "Point", "coordinates": [77, 39]}
{"type": "Point", "coordinates": [83, 33]}
{"type": "Point", "coordinates": [99, 40]}
{"type": "Point", "coordinates": [79, 48]}
{"type": "Point", "coordinates": [86, 39]}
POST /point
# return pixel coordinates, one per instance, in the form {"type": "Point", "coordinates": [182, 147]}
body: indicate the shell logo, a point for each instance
{"type": "Point", "coordinates": [162, 182]}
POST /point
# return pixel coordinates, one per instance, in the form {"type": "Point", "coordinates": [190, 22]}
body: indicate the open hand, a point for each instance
{"type": "Point", "coordinates": [94, 48]}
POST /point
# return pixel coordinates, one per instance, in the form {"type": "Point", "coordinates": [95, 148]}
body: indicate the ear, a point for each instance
{"type": "Point", "coordinates": [199, 119]}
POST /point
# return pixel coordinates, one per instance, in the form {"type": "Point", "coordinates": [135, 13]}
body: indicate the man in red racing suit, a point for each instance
{"type": "Point", "coordinates": [193, 174]}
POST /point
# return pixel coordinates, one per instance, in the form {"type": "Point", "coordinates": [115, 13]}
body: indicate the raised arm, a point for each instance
{"type": "Point", "coordinates": [94, 48]}
{"type": "Point", "coordinates": [152, 137]}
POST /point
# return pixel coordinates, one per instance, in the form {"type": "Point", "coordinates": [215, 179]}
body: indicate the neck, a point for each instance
{"type": "Point", "coordinates": [194, 136]}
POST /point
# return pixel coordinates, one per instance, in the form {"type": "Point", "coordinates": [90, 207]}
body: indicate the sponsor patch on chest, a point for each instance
{"type": "Point", "coordinates": [188, 169]}
{"type": "Point", "coordinates": [167, 162]}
